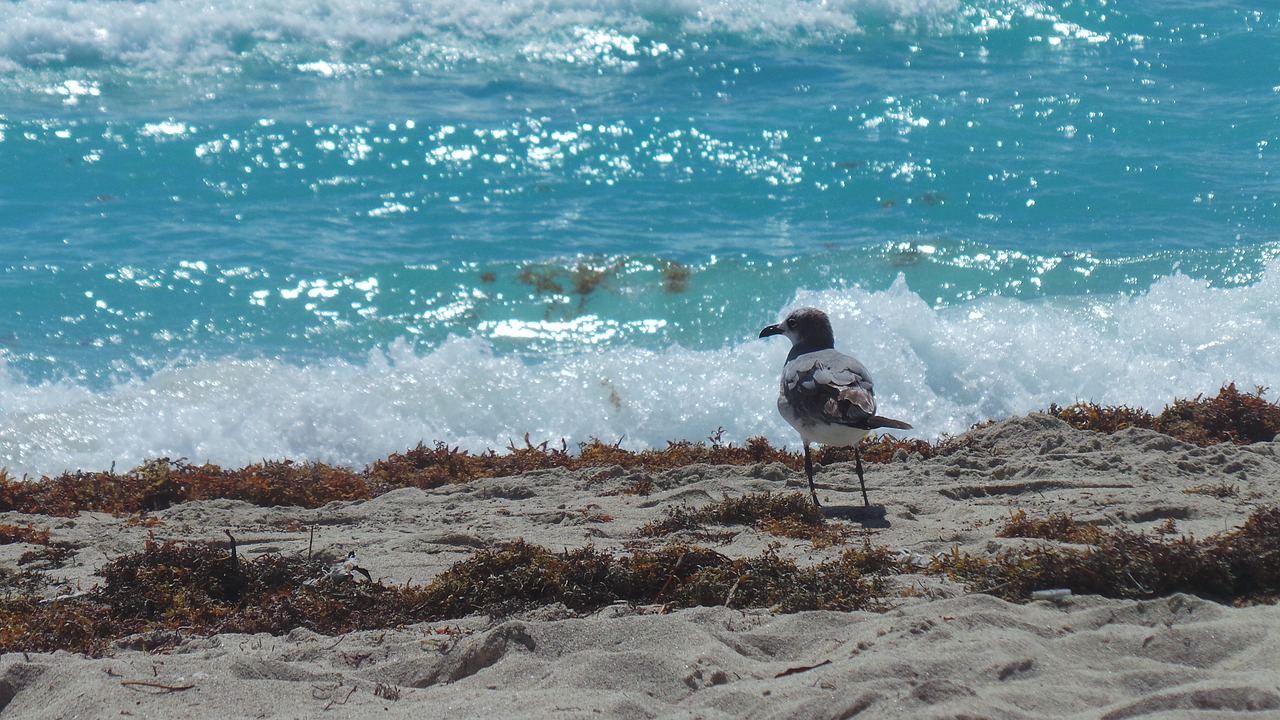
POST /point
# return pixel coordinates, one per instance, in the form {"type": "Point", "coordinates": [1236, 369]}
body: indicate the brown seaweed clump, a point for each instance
{"type": "Point", "coordinates": [675, 277]}
{"type": "Point", "coordinates": [791, 515]}
{"type": "Point", "coordinates": [441, 465]}
{"type": "Point", "coordinates": [1238, 566]}
{"type": "Point", "coordinates": [171, 589]}
{"type": "Point", "coordinates": [520, 576]}
{"type": "Point", "coordinates": [162, 483]}
{"type": "Point", "coordinates": [10, 534]}
{"type": "Point", "coordinates": [1062, 528]}
{"type": "Point", "coordinates": [1103, 418]}
{"type": "Point", "coordinates": [426, 468]}
{"type": "Point", "coordinates": [27, 578]}
{"type": "Point", "coordinates": [47, 554]}
{"type": "Point", "coordinates": [1230, 416]}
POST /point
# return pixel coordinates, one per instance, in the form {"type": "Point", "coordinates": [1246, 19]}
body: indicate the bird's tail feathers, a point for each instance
{"type": "Point", "coordinates": [876, 421]}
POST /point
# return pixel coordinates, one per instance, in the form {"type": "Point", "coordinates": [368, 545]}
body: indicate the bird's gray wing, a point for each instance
{"type": "Point", "coordinates": [830, 387]}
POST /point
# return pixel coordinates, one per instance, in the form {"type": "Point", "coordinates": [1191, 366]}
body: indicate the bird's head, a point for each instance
{"type": "Point", "coordinates": [806, 327]}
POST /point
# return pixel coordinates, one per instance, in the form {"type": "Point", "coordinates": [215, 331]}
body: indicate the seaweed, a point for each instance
{"type": "Point", "coordinates": [426, 468]}
{"type": "Point", "coordinates": [200, 588]}
{"type": "Point", "coordinates": [49, 554]}
{"type": "Point", "coordinates": [1063, 528]}
{"type": "Point", "coordinates": [184, 583]}
{"type": "Point", "coordinates": [791, 515]}
{"type": "Point", "coordinates": [675, 276]}
{"type": "Point", "coordinates": [306, 484]}
{"type": "Point", "coordinates": [10, 534]}
{"type": "Point", "coordinates": [543, 282]}
{"type": "Point", "coordinates": [1252, 554]}
{"type": "Point", "coordinates": [589, 278]}
{"type": "Point", "coordinates": [1219, 490]}
{"type": "Point", "coordinates": [440, 465]}
{"type": "Point", "coordinates": [1103, 418]}
{"type": "Point", "coordinates": [518, 576]}
{"type": "Point", "coordinates": [29, 624]}
{"type": "Point", "coordinates": [1241, 566]}
{"type": "Point", "coordinates": [170, 590]}
{"type": "Point", "coordinates": [423, 467]}
{"type": "Point", "coordinates": [857, 580]}
{"type": "Point", "coordinates": [583, 280]}
{"type": "Point", "coordinates": [1230, 416]}
{"type": "Point", "coordinates": [161, 483]}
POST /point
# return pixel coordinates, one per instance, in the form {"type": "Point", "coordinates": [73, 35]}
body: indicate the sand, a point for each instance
{"type": "Point", "coordinates": [939, 652]}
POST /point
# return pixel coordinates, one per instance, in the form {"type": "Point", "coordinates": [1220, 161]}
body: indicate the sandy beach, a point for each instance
{"type": "Point", "coordinates": [938, 650]}
{"type": "Point", "coordinates": [422, 359]}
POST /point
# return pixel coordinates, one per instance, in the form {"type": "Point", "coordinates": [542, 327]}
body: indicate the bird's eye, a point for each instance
{"type": "Point", "coordinates": [791, 322]}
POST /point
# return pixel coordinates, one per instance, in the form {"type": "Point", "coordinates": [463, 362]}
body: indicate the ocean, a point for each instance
{"type": "Point", "coordinates": [331, 229]}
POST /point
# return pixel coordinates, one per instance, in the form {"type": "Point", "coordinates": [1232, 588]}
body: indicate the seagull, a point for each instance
{"type": "Point", "coordinates": [826, 395]}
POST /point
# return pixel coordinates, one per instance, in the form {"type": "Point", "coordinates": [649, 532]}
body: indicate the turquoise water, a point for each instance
{"type": "Point", "coordinates": [330, 230]}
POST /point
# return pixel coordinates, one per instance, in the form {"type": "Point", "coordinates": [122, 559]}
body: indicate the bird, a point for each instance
{"type": "Point", "coordinates": [825, 395]}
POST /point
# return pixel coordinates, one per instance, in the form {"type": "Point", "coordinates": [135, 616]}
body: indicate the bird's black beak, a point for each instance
{"type": "Point", "coordinates": [772, 330]}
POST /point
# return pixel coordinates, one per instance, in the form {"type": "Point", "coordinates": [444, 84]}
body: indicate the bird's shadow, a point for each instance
{"type": "Point", "coordinates": [873, 516]}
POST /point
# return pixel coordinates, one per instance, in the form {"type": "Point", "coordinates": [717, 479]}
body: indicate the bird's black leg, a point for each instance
{"type": "Point", "coordinates": [808, 470]}
{"type": "Point", "coordinates": [857, 458]}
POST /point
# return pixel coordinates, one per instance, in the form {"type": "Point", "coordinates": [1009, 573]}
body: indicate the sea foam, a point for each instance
{"type": "Point", "coordinates": [176, 34]}
{"type": "Point", "coordinates": [940, 368]}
